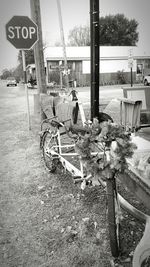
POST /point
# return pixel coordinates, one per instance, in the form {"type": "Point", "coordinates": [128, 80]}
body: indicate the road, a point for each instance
{"type": "Point", "coordinates": [17, 94]}
{"type": "Point", "coordinates": [106, 93]}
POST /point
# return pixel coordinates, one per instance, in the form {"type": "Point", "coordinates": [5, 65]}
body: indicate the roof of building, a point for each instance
{"type": "Point", "coordinates": [106, 52]}
{"type": "Point", "coordinates": [73, 52]}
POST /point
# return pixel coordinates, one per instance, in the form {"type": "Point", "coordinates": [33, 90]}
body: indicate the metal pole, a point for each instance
{"type": "Point", "coordinates": [63, 43]}
{"type": "Point", "coordinates": [94, 29]}
{"type": "Point", "coordinates": [26, 89]}
{"type": "Point", "coordinates": [131, 78]}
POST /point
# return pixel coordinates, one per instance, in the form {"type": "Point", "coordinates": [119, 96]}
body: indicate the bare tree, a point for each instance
{"type": "Point", "coordinates": [114, 30]}
{"type": "Point", "coordinates": [79, 36]}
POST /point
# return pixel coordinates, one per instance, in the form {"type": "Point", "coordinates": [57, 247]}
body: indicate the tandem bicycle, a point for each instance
{"type": "Point", "coordinates": [60, 142]}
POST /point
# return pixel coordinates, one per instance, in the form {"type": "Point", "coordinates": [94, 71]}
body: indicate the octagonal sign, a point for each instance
{"type": "Point", "coordinates": [21, 32]}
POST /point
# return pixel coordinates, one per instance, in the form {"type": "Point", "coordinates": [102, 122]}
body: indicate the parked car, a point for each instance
{"type": "Point", "coordinates": [146, 80]}
{"type": "Point", "coordinates": [11, 81]}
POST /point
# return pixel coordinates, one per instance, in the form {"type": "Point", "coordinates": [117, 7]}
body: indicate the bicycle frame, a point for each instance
{"type": "Point", "coordinates": [78, 174]}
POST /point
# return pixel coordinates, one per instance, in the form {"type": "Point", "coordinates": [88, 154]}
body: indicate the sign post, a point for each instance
{"type": "Point", "coordinates": [22, 33]}
{"type": "Point", "coordinates": [26, 89]}
{"type": "Point", "coordinates": [130, 64]}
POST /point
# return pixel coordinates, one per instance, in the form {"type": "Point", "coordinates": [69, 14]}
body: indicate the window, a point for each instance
{"type": "Point", "coordinates": [139, 68]}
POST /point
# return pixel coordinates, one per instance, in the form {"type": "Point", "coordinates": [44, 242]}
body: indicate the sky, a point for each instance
{"type": "Point", "coordinates": [74, 13]}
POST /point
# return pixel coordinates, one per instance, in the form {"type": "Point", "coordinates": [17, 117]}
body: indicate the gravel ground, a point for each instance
{"type": "Point", "coordinates": [46, 220]}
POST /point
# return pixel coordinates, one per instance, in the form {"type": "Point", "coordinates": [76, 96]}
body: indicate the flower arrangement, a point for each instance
{"type": "Point", "coordinates": [103, 149]}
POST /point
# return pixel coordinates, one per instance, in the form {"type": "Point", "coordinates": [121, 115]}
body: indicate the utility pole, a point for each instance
{"type": "Point", "coordinates": [63, 42]}
{"type": "Point", "coordinates": [38, 53]}
{"type": "Point", "coordinates": [94, 30]}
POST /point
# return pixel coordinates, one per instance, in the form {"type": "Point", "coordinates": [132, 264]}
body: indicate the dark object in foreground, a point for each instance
{"type": "Point", "coordinates": [104, 117]}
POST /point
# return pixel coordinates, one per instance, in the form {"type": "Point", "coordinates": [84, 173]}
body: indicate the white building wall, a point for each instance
{"type": "Point", "coordinates": [109, 66]}
{"type": "Point", "coordinates": [113, 66]}
{"type": "Point", "coordinates": [85, 66]}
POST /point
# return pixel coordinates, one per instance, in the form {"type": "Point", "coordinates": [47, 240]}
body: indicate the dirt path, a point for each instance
{"type": "Point", "coordinates": [45, 221]}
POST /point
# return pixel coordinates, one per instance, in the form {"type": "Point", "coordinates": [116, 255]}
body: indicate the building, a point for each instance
{"type": "Point", "coordinates": [115, 64]}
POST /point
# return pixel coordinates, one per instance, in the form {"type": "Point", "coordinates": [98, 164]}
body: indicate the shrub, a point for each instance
{"type": "Point", "coordinates": [121, 77]}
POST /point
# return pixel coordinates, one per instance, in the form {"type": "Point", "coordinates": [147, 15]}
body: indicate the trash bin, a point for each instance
{"type": "Point", "coordinates": [140, 93]}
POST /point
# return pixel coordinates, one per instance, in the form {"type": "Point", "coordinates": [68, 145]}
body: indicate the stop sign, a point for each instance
{"type": "Point", "coordinates": [22, 32]}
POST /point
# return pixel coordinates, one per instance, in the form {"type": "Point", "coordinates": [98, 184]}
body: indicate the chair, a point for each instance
{"type": "Point", "coordinates": [66, 111]}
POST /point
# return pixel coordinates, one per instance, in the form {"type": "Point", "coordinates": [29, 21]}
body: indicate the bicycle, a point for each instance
{"type": "Point", "coordinates": [52, 149]}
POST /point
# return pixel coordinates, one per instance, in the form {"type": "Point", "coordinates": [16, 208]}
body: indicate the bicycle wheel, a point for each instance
{"type": "Point", "coordinates": [49, 150]}
{"type": "Point", "coordinates": [113, 220]}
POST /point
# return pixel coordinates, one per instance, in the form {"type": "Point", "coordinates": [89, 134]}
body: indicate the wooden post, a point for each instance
{"type": "Point", "coordinates": [94, 29]}
{"type": "Point", "coordinates": [63, 43]}
{"type": "Point", "coordinates": [26, 89]}
{"type": "Point", "coordinates": [38, 52]}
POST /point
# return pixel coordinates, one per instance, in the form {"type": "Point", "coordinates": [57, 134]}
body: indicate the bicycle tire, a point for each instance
{"type": "Point", "coordinates": [104, 117]}
{"type": "Point", "coordinates": [48, 141]}
{"type": "Point", "coordinates": [114, 227]}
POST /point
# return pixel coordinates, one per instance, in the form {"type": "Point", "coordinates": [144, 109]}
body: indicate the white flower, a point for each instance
{"type": "Point", "coordinates": [83, 185]}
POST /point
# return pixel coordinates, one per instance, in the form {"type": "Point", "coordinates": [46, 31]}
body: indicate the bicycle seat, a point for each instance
{"type": "Point", "coordinates": [56, 123]}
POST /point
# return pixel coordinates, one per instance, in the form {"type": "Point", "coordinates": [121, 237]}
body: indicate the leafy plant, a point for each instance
{"type": "Point", "coordinates": [121, 77]}
{"type": "Point", "coordinates": [117, 30]}
{"type": "Point", "coordinates": [114, 30]}
{"type": "Point", "coordinates": [111, 144]}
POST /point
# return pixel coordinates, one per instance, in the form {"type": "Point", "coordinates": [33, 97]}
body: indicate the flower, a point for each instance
{"type": "Point", "coordinates": [112, 144]}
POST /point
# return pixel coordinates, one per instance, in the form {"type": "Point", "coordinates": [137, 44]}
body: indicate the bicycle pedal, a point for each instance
{"type": "Point", "coordinates": [77, 177]}
{"type": "Point", "coordinates": [78, 180]}
{"type": "Point", "coordinates": [55, 157]}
